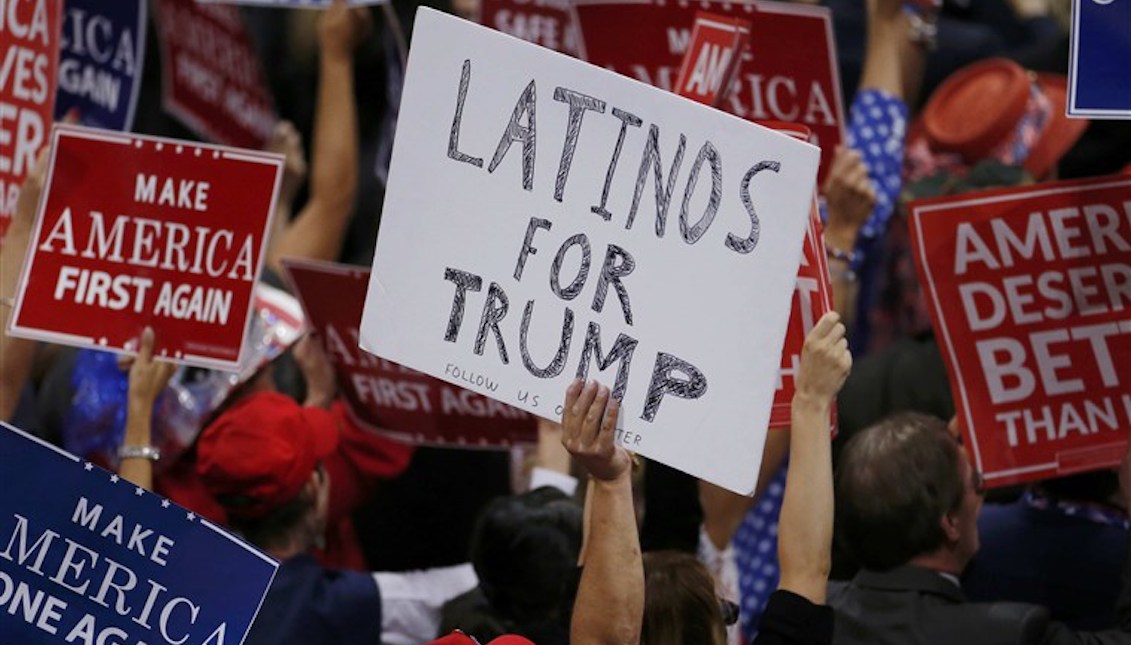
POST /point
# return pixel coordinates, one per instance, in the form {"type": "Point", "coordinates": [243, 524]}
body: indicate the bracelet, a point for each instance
{"type": "Point", "coordinates": [840, 254]}
{"type": "Point", "coordinates": [139, 452]}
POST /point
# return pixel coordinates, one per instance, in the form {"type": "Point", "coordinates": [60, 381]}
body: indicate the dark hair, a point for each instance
{"type": "Point", "coordinates": [895, 482]}
{"type": "Point", "coordinates": [274, 528]}
{"type": "Point", "coordinates": [681, 606]}
{"type": "Point", "coordinates": [278, 527]}
{"type": "Point", "coordinates": [524, 549]}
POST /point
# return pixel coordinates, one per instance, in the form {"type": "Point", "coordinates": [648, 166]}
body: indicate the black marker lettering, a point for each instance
{"type": "Point", "coordinates": [527, 249]}
{"type": "Point", "coordinates": [651, 158]}
{"type": "Point", "coordinates": [555, 367]}
{"type": "Point", "coordinates": [622, 351]}
{"type": "Point", "coordinates": [692, 387]}
{"type": "Point", "coordinates": [457, 120]}
{"type": "Point", "coordinates": [493, 311]}
{"type": "Point", "coordinates": [733, 242]}
{"type": "Point", "coordinates": [464, 282]}
{"type": "Point", "coordinates": [578, 104]}
{"type": "Point", "coordinates": [626, 119]}
{"type": "Point", "coordinates": [524, 133]}
{"type": "Point", "coordinates": [691, 234]}
{"type": "Point", "coordinates": [570, 292]}
{"type": "Point", "coordinates": [618, 264]}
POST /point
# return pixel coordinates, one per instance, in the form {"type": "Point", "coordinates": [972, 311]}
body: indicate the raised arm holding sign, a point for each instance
{"type": "Point", "coordinates": [583, 225]}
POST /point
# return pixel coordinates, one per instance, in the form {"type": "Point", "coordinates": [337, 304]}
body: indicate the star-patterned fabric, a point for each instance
{"type": "Point", "coordinates": [878, 131]}
{"type": "Point", "coordinates": [756, 554]}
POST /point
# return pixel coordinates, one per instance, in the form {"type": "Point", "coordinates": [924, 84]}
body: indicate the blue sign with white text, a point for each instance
{"type": "Point", "coordinates": [87, 557]}
{"type": "Point", "coordinates": [1099, 73]}
{"type": "Point", "coordinates": [102, 50]}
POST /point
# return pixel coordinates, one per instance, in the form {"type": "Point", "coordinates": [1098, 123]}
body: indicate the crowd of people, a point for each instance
{"type": "Point", "coordinates": [883, 534]}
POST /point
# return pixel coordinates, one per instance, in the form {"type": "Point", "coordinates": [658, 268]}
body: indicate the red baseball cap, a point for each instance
{"type": "Point", "coordinates": [993, 110]}
{"type": "Point", "coordinates": [258, 454]}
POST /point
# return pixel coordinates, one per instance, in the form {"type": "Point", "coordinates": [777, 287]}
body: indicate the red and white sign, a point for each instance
{"type": "Point", "coordinates": [135, 231]}
{"type": "Point", "coordinates": [387, 397]}
{"type": "Point", "coordinates": [812, 299]}
{"type": "Point", "coordinates": [548, 23]}
{"type": "Point", "coordinates": [212, 80]}
{"type": "Point", "coordinates": [789, 72]}
{"type": "Point", "coordinates": [1030, 291]}
{"type": "Point", "coordinates": [29, 33]}
{"type": "Point", "coordinates": [712, 58]}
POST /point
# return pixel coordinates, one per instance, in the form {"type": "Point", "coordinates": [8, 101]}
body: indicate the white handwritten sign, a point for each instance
{"type": "Point", "coordinates": [547, 219]}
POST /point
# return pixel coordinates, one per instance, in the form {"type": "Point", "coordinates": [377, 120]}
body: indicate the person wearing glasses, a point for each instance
{"type": "Point", "coordinates": [907, 502]}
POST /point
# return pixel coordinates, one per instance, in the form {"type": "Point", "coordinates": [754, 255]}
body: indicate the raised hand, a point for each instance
{"type": "Point", "coordinates": [589, 421]}
{"type": "Point", "coordinates": [825, 361]}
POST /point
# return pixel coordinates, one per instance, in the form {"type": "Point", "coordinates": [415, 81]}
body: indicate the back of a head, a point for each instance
{"type": "Point", "coordinates": [894, 483]}
{"type": "Point", "coordinates": [524, 550]}
{"type": "Point", "coordinates": [681, 606]}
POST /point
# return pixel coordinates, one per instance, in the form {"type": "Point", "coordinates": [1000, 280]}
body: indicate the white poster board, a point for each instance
{"type": "Point", "coordinates": [521, 239]}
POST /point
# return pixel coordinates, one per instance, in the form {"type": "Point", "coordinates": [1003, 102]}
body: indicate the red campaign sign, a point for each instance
{"type": "Point", "coordinates": [1030, 292]}
{"type": "Point", "coordinates": [812, 299]}
{"type": "Point", "coordinates": [548, 23]}
{"type": "Point", "coordinates": [135, 231]}
{"type": "Point", "coordinates": [779, 79]}
{"type": "Point", "coordinates": [712, 58]}
{"type": "Point", "coordinates": [29, 31]}
{"type": "Point", "coordinates": [212, 80]}
{"type": "Point", "coordinates": [387, 397]}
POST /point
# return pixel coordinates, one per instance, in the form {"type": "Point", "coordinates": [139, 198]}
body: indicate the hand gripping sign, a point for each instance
{"type": "Point", "coordinates": [88, 557]}
{"type": "Point", "coordinates": [788, 74]}
{"type": "Point", "coordinates": [547, 220]}
{"type": "Point", "coordinates": [135, 231]}
{"type": "Point", "coordinates": [29, 60]}
{"type": "Point", "coordinates": [387, 397]}
{"type": "Point", "coordinates": [1030, 292]}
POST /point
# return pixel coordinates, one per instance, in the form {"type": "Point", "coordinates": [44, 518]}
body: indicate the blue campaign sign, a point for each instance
{"type": "Point", "coordinates": [100, 62]}
{"type": "Point", "coordinates": [87, 557]}
{"type": "Point", "coordinates": [1099, 73]}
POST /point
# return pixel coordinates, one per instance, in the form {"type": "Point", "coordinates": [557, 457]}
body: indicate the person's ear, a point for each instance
{"type": "Point", "coordinates": [950, 526]}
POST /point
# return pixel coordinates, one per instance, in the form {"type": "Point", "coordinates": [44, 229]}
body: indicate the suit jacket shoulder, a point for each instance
{"type": "Point", "coordinates": [913, 606]}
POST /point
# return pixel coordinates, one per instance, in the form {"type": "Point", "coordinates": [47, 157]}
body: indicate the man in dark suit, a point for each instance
{"type": "Point", "coordinates": [907, 506]}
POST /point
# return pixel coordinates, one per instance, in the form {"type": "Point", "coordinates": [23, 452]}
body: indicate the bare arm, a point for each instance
{"type": "Point", "coordinates": [609, 608]}
{"type": "Point", "coordinates": [148, 378]}
{"type": "Point", "coordinates": [17, 354]}
{"type": "Point", "coordinates": [893, 63]}
{"type": "Point", "coordinates": [319, 228]}
{"type": "Point", "coordinates": [806, 526]}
